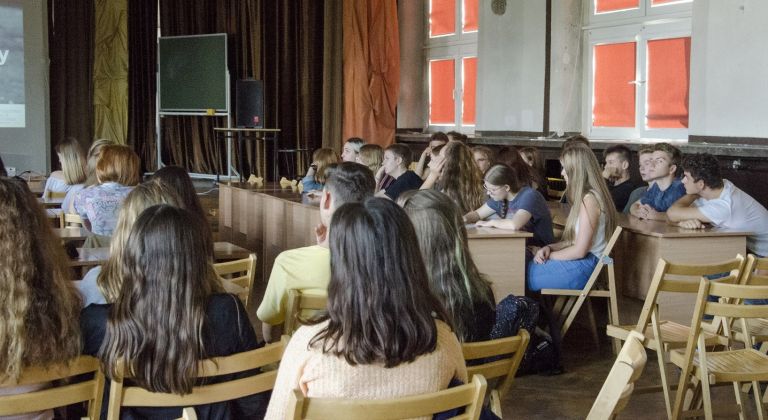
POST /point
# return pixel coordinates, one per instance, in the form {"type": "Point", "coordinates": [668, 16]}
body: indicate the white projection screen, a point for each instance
{"type": "Point", "coordinates": [12, 95]}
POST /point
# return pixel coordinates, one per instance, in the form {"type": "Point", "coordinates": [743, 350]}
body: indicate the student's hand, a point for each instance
{"type": "Point", "coordinates": [436, 167]}
{"type": "Point", "coordinates": [321, 234]}
{"type": "Point", "coordinates": [644, 211]}
{"type": "Point", "coordinates": [542, 255]}
{"type": "Point", "coordinates": [691, 224]}
{"type": "Point", "coordinates": [426, 152]}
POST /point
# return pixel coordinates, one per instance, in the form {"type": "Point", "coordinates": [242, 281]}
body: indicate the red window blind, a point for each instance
{"type": "Point", "coordinates": [614, 95]}
{"type": "Point", "coordinates": [603, 6]}
{"type": "Point", "coordinates": [470, 15]}
{"type": "Point", "coordinates": [660, 2]}
{"type": "Point", "coordinates": [442, 79]}
{"type": "Point", "coordinates": [470, 80]}
{"type": "Point", "coordinates": [442, 17]}
{"type": "Point", "coordinates": [668, 78]}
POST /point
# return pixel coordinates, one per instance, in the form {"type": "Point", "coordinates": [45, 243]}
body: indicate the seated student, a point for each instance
{"type": "Point", "coordinates": [453, 276]}
{"type": "Point", "coordinates": [716, 201]}
{"type": "Point", "coordinates": [117, 173]}
{"type": "Point", "coordinates": [308, 268]}
{"type": "Point", "coordinates": [169, 314]}
{"type": "Point", "coordinates": [177, 179]}
{"type": "Point", "coordinates": [617, 175]}
{"type": "Point", "coordinates": [458, 177]}
{"type": "Point", "coordinates": [371, 155]}
{"type": "Point", "coordinates": [517, 206]}
{"type": "Point", "coordinates": [72, 173]}
{"type": "Point", "coordinates": [385, 335]}
{"type": "Point", "coordinates": [532, 157]}
{"type": "Point", "coordinates": [437, 139]}
{"type": "Point", "coordinates": [101, 284]}
{"type": "Point", "coordinates": [666, 188]}
{"type": "Point", "coordinates": [351, 149]}
{"type": "Point", "coordinates": [315, 177]}
{"type": "Point", "coordinates": [484, 157]}
{"type": "Point", "coordinates": [456, 136]}
{"type": "Point", "coordinates": [509, 156]}
{"type": "Point", "coordinates": [397, 158]}
{"type": "Point", "coordinates": [645, 160]}
{"type": "Point", "coordinates": [40, 307]}
{"type": "Point", "coordinates": [568, 264]}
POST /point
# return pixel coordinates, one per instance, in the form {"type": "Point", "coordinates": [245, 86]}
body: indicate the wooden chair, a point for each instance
{"type": "Point", "coordinates": [298, 305]}
{"type": "Point", "coordinates": [737, 363]}
{"type": "Point", "coordinates": [132, 396]}
{"type": "Point", "coordinates": [469, 396]}
{"type": "Point", "coordinates": [569, 302]}
{"type": "Point", "coordinates": [237, 276]}
{"type": "Point", "coordinates": [58, 396]}
{"type": "Point", "coordinates": [618, 386]}
{"type": "Point", "coordinates": [511, 350]}
{"type": "Point", "coordinates": [56, 195]}
{"type": "Point", "coordinates": [672, 278]}
{"type": "Point", "coordinates": [70, 220]}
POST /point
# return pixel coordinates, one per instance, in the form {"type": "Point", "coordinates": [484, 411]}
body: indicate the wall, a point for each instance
{"type": "Point", "coordinates": [566, 67]}
{"type": "Point", "coordinates": [27, 148]}
{"type": "Point", "coordinates": [511, 56]}
{"type": "Point", "coordinates": [729, 69]}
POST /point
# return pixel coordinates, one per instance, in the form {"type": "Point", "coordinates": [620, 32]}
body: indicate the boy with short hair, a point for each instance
{"type": "Point", "coordinates": [397, 158]}
{"type": "Point", "coordinates": [616, 174]}
{"type": "Point", "coordinates": [666, 189]}
{"type": "Point", "coordinates": [714, 200]}
{"type": "Point", "coordinates": [644, 157]}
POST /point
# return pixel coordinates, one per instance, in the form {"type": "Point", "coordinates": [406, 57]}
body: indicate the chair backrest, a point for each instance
{"type": "Point", "coordinates": [511, 350]}
{"type": "Point", "coordinates": [237, 276]}
{"type": "Point", "coordinates": [555, 188]}
{"type": "Point", "coordinates": [133, 396]}
{"type": "Point", "coordinates": [683, 278]}
{"type": "Point", "coordinates": [299, 303]}
{"type": "Point", "coordinates": [70, 219]}
{"type": "Point", "coordinates": [56, 194]}
{"type": "Point", "coordinates": [618, 386]}
{"type": "Point", "coordinates": [59, 396]}
{"type": "Point", "coordinates": [469, 396]}
{"type": "Point", "coordinates": [755, 271]}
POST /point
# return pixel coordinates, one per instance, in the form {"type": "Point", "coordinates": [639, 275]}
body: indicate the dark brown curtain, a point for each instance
{"type": "Point", "coordinates": [70, 40]}
{"type": "Point", "coordinates": [142, 61]}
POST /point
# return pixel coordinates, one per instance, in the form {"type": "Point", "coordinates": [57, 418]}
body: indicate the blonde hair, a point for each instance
{"type": "Point", "coordinates": [39, 306]}
{"type": "Point", "coordinates": [118, 163]}
{"type": "Point", "coordinates": [94, 153]}
{"type": "Point", "coordinates": [371, 156]}
{"type": "Point", "coordinates": [139, 199]}
{"type": "Point", "coordinates": [324, 158]}
{"type": "Point", "coordinates": [585, 177]}
{"type": "Point", "coordinates": [72, 160]}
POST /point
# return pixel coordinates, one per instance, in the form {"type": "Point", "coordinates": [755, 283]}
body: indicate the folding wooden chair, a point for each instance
{"type": "Point", "coordinates": [132, 396]}
{"type": "Point", "coordinates": [737, 363]}
{"type": "Point", "coordinates": [70, 220]}
{"type": "Point", "coordinates": [505, 355]}
{"type": "Point", "coordinates": [673, 278]}
{"type": "Point", "coordinates": [569, 302]}
{"type": "Point", "coordinates": [90, 390]}
{"type": "Point", "coordinates": [469, 396]}
{"type": "Point", "coordinates": [237, 276]}
{"type": "Point", "coordinates": [618, 386]}
{"type": "Point", "coordinates": [299, 304]}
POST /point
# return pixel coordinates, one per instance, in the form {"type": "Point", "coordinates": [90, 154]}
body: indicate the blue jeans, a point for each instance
{"type": "Point", "coordinates": [560, 274]}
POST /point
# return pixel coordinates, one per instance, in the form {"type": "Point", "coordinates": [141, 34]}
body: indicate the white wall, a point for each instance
{"type": "Point", "coordinates": [729, 68]}
{"type": "Point", "coordinates": [411, 103]}
{"type": "Point", "coordinates": [510, 74]}
{"type": "Point", "coordinates": [27, 148]}
{"type": "Point", "coordinates": [565, 77]}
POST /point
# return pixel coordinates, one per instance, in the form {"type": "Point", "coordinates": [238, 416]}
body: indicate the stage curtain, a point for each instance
{"type": "Point", "coordinates": [371, 70]}
{"type": "Point", "coordinates": [110, 70]}
{"type": "Point", "coordinates": [333, 80]}
{"type": "Point", "coordinates": [70, 41]}
{"type": "Point", "coordinates": [142, 61]}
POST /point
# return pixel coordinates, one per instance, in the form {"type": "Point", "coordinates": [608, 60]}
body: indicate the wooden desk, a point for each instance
{"type": "Point", "coordinates": [222, 251]}
{"type": "Point", "coordinates": [72, 234]}
{"type": "Point", "coordinates": [500, 256]}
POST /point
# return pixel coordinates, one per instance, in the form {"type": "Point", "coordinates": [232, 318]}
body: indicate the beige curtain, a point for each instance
{"type": "Point", "coordinates": [371, 70]}
{"type": "Point", "coordinates": [110, 70]}
{"type": "Point", "coordinates": [333, 81]}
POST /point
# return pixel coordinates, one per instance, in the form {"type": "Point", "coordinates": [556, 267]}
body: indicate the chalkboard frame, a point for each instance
{"type": "Point", "coordinates": [216, 69]}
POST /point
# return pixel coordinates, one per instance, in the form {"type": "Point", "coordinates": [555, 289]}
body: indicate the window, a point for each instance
{"type": "Point", "coordinates": [451, 51]}
{"type": "Point", "coordinates": [638, 55]}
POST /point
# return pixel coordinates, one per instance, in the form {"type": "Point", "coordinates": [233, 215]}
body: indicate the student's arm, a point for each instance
{"type": "Point", "coordinates": [378, 176]}
{"type": "Point", "coordinates": [517, 222]}
{"type": "Point", "coordinates": [422, 162]}
{"type": "Point", "coordinates": [683, 210]}
{"type": "Point", "coordinates": [483, 212]}
{"type": "Point", "coordinates": [434, 174]}
{"type": "Point", "coordinates": [652, 214]}
{"type": "Point", "coordinates": [589, 212]}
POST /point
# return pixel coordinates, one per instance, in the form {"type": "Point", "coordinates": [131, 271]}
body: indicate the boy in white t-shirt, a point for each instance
{"type": "Point", "coordinates": [712, 199]}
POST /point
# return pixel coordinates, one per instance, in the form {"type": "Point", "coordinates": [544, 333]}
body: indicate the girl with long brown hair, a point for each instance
{"type": "Point", "coordinates": [458, 177]}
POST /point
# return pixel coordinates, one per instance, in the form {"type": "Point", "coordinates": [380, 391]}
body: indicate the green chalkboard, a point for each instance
{"type": "Point", "coordinates": [193, 73]}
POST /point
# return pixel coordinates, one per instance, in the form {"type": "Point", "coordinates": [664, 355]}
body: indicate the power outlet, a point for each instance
{"type": "Point", "coordinates": [11, 170]}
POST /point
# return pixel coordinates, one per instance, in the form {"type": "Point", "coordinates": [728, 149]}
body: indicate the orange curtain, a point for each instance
{"type": "Point", "coordinates": [371, 70]}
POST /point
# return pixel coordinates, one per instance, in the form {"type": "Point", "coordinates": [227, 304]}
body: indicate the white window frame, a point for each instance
{"type": "Point", "coordinates": [456, 46]}
{"type": "Point", "coordinates": [659, 22]}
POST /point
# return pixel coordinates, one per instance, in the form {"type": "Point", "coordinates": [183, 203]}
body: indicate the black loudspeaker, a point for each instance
{"type": "Point", "coordinates": [249, 103]}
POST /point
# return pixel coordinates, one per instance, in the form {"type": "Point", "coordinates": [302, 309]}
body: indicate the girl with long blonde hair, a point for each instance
{"type": "Point", "coordinates": [71, 177]}
{"type": "Point", "coordinates": [458, 177]}
{"type": "Point", "coordinates": [568, 264]}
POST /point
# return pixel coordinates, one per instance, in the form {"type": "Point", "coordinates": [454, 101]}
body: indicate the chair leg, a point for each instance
{"type": "Point", "coordinates": [592, 323]}
{"type": "Point", "coordinates": [662, 360]}
{"type": "Point", "coordinates": [707, 395]}
{"type": "Point", "coordinates": [739, 402]}
{"type": "Point", "coordinates": [758, 402]}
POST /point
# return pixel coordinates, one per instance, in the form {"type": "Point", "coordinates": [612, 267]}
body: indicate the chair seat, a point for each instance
{"type": "Point", "coordinates": [673, 334]}
{"type": "Point", "coordinates": [758, 328]}
{"type": "Point", "coordinates": [743, 365]}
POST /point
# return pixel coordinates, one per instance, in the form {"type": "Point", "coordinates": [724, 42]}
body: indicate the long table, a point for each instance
{"type": "Point", "coordinates": [270, 220]}
{"type": "Point", "coordinates": [222, 251]}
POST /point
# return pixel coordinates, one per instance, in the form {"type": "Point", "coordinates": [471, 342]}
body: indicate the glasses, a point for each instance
{"type": "Point", "coordinates": [492, 190]}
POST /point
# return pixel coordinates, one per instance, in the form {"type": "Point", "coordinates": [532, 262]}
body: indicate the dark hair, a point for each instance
{"type": "Point", "coordinates": [439, 136]}
{"type": "Point", "coordinates": [509, 156]}
{"type": "Point", "coordinates": [156, 323]}
{"type": "Point", "coordinates": [402, 151]}
{"type": "Point", "coordinates": [704, 167]}
{"type": "Point", "coordinates": [622, 151]}
{"type": "Point", "coordinates": [380, 309]}
{"type": "Point", "coordinates": [350, 182]}
{"type": "Point", "coordinates": [457, 136]}
{"type": "Point", "coordinates": [177, 179]}
{"type": "Point", "coordinates": [675, 156]}
{"type": "Point", "coordinates": [501, 174]}
{"type": "Point", "coordinates": [436, 150]}
{"type": "Point", "coordinates": [3, 172]}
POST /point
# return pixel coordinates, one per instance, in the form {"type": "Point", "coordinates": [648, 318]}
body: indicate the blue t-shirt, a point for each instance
{"type": "Point", "coordinates": [533, 202]}
{"type": "Point", "coordinates": [663, 200]}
